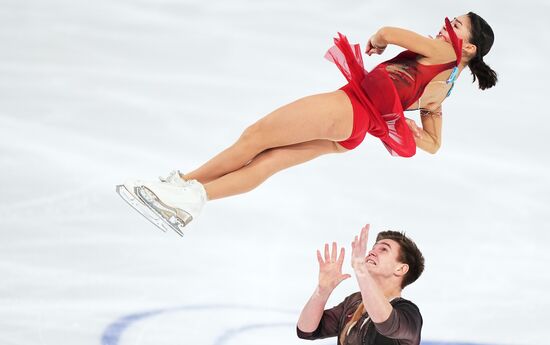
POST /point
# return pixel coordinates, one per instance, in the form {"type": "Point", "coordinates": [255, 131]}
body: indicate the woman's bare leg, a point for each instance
{"type": "Point", "coordinates": [325, 116]}
{"type": "Point", "coordinates": [266, 164]}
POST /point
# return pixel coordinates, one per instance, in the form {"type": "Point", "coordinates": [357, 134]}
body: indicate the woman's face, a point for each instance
{"type": "Point", "coordinates": [461, 26]}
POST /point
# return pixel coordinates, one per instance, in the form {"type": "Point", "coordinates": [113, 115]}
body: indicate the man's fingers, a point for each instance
{"type": "Point", "coordinates": [334, 252]}
{"type": "Point", "coordinates": [354, 244]}
{"type": "Point", "coordinates": [341, 256]}
{"type": "Point", "coordinates": [319, 257]}
{"type": "Point", "coordinates": [367, 229]}
{"type": "Point", "coordinates": [364, 235]}
{"type": "Point", "coordinates": [327, 255]}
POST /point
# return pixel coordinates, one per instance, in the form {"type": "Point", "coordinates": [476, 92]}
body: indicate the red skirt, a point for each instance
{"type": "Point", "coordinates": [372, 94]}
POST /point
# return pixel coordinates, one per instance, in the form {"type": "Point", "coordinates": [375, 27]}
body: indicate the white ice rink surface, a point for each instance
{"type": "Point", "coordinates": [92, 92]}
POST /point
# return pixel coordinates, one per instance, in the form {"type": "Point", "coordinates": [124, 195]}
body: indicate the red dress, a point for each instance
{"type": "Point", "coordinates": [379, 97]}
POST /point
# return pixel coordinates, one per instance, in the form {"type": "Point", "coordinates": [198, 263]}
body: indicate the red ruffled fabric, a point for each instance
{"type": "Point", "coordinates": [376, 92]}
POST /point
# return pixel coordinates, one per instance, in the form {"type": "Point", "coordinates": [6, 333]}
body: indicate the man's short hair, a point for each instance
{"type": "Point", "coordinates": [408, 254]}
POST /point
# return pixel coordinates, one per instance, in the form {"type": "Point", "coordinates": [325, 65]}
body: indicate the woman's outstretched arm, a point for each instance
{"type": "Point", "coordinates": [437, 50]}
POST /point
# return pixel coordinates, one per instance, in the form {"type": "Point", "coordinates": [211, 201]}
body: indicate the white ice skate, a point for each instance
{"type": "Point", "coordinates": [166, 205]}
{"type": "Point", "coordinates": [126, 191]}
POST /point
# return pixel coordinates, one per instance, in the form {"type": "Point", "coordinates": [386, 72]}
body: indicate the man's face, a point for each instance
{"type": "Point", "coordinates": [382, 259]}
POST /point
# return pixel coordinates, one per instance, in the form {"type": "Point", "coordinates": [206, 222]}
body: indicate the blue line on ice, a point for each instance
{"type": "Point", "coordinates": [114, 331]}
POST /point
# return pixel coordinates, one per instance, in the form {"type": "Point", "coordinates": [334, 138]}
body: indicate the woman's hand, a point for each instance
{"type": "Point", "coordinates": [414, 128]}
{"type": "Point", "coordinates": [359, 250]}
{"type": "Point", "coordinates": [373, 47]}
{"type": "Point", "coordinates": [330, 268]}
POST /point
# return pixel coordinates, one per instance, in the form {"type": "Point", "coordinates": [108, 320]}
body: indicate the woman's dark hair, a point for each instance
{"type": "Point", "coordinates": [482, 36]}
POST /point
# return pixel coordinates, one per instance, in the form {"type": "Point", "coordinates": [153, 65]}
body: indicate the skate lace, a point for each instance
{"type": "Point", "coordinates": [174, 178]}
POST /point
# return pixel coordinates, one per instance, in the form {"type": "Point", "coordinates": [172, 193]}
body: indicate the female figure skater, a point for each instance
{"type": "Point", "coordinates": [372, 102]}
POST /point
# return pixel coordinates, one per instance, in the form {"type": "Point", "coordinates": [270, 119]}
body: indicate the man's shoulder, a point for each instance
{"type": "Point", "coordinates": [403, 303]}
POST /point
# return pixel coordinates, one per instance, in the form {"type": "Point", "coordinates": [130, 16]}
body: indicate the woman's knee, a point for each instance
{"type": "Point", "coordinates": [253, 137]}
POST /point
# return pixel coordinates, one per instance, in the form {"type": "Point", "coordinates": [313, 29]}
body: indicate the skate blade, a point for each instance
{"type": "Point", "coordinates": [176, 218]}
{"type": "Point", "coordinates": [141, 208]}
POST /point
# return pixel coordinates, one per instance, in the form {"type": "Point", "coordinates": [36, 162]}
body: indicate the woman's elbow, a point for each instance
{"type": "Point", "coordinates": [431, 147]}
{"type": "Point", "coordinates": [435, 147]}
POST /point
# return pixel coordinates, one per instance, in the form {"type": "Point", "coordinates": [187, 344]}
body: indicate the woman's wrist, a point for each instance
{"type": "Point", "coordinates": [378, 41]}
{"type": "Point", "coordinates": [377, 45]}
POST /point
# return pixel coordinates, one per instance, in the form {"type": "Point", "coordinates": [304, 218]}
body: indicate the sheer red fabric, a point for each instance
{"type": "Point", "coordinates": [386, 91]}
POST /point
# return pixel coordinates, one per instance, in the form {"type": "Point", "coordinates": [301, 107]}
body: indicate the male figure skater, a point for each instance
{"type": "Point", "coordinates": [377, 314]}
